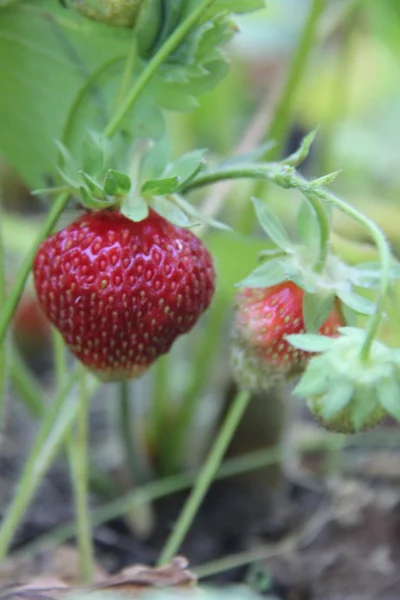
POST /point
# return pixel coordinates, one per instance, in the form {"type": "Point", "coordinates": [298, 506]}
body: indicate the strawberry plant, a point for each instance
{"type": "Point", "coordinates": [136, 269]}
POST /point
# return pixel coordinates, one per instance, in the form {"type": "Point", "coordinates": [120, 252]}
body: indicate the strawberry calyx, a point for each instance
{"type": "Point", "coordinates": [338, 379]}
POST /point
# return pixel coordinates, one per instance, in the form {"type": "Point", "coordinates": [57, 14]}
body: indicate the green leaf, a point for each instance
{"type": "Point", "coordinates": [388, 391]}
{"type": "Point", "coordinates": [91, 201]}
{"type": "Point", "coordinates": [310, 342]}
{"type": "Point", "coordinates": [269, 273]}
{"type": "Point", "coordinates": [197, 214]}
{"type": "Point", "coordinates": [337, 398]}
{"type": "Point", "coordinates": [316, 310]}
{"type": "Point", "coordinates": [308, 226]}
{"type": "Point", "coordinates": [186, 167]}
{"type": "Point", "coordinates": [160, 187]}
{"type": "Point", "coordinates": [272, 226]}
{"type": "Point", "coordinates": [355, 302]}
{"type": "Point", "coordinates": [116, 183]}
{"type": "Point", "coordinates": [170, 211]}
{"type": "Point", "coordinates": [155, 159]}
{"type": "Point", "coordinates": [95, 189]}
{"type": "Point", "coordinates": [314, 381]}
{"type": "Point", "coordinates": [301, 154]}
{"type": "Point", "coordinates": [135, 208]}
{"type": "Point", "coordinates": [325, 179]}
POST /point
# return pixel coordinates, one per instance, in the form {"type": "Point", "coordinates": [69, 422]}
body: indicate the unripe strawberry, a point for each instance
{"type": "Point", "coordinates": [121, 13]}
{"type": "Point", "coordinates": [263, 318]}
{"type": "Point", "coordinates": [120, 292]}
{"type": "Point", "coordinates": [342, 422]}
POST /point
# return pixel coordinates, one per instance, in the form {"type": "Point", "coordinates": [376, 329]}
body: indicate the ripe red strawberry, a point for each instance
{"type": "Point", "coordinates": [263, 317]}
{"type": "Point", "coordinates": [121, 292]}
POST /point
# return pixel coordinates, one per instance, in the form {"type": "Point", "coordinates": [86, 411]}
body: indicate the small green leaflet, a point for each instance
{"type": "Point", "coordinates": [170, 211]}
{"type": "Point", "coordinates": [316, 310]}
{"type": "Point", "coordinates": [95, 189]}
{"type": "Point", "coordinates": [355, 302]}
{"type": "Point", "coordinates": [295, 159]}
{"type": "Point", "coordinates": [388, 391]}
{"type": "Point", "coordinates": [314, 382]}
{"type": "Point", "coordinates": [269, 273]}
{"type": "Point", "coordinates": [160, 187]}
{"type": "Point", "coordinates": [272, 226]}
{"type": "Point", "coordinates": [116, 183]}
{"type": "Point", "coordinates": [310, 342]}
{"type": "Point", "coordinates": [325, 179]}
{"type": "Point", "coordinates": [135, 208]}
{"type": "Point", "coordinates": [338, 397]}
{"type": "Point", "coordinates": [186, 167]}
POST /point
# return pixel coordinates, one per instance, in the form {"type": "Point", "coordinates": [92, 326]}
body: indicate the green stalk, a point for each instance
{"type": "Point", "coordinates": [203, 360]}
{"type": "Point", "coordinates": [3, 345]}
{"type": "Point", "coordinates": [205, 478]}
{"type": "Point", "coordinates": [26, 386]}
{"type": "Point", "coordinates": [78, 456]}
{"type": "Point", "coordinates": [51, 433]}
{"type": "Point", "coordinates": [128, 72]}
{"type": "Point", "coordinates": [287, 177]}
{"type": "Point", "coordinates": [154, 64]}
{"type": "Point", "coordinates": [16, 292]}
{"type": "Point", "coordinates": [153, 491]}
{"type": "Point", "coordinates": [324, 232]}
{"type": "Point", "coordinates": [159, 408]}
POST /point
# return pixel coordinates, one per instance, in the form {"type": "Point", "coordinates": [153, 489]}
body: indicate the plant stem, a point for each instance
{"type": "Point", "coordinates": [128, 72]}
{"type": "Point", "coordinates": [203, 360]}
{"type": "Point", "coordinates": [26, 386]}
{"type": "Point", "coordinates": [3, 346]}
{"type": "Point", "coordinates": [287, 177]}
{"type": "Point", "coordinates": [154, 64]}
{"type": "Point", "coordinates": [49, 438]}
{"type": "Point", "coordinates": [126, 422]}
{"type": "Point", "coordinates": [205, 477]}
{"type": "Point", "coordinates": [78, 455]}
{"type": "Point", "coordinates": [154, 490]}
{"type": "Point", "coordinates": [324, 232]}
{"type": "Point", "coordinates": [16, 292]}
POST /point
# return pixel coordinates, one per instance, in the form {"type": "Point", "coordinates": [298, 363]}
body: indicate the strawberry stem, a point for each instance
{"type": "Point", "coordinates": [126, 428]}
{"type": "Point", "coordinates": [205, 477]}
{"type": "Point", "coordinates": [16, 292]}
{"type": "Point", "coordinates": [324, 233]}
{"type": "Point", "coordinates": [287, 177]}
{"type": "Point", "coordinates": [50, 436]}
{"type": "Point", "coordinates": [154, 64]}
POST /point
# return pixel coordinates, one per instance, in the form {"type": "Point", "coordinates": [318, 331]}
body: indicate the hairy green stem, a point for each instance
{"type": "Point", "coordinates": [49, 438]}
{"type": "Point", "coordinates": [10, 305]}
{"type": "Point", "coordinates": [203, 360]}
{"type": "Point", "coordinates": [78, 457]}
{"type": "Point", "coordinates": [154, 64]}
{"type": "Point", "coordinates": [287, 177]}
{"type": "Point", "coordinates": [205, 478]}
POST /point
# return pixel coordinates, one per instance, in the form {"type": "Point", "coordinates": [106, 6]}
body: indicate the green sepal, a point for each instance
{"type": "Point", "coordinates": [186, 167]}
{"type": "Point", "coordinates": [356, 302]}
{"type": "Point", "coordinates": [96, 152]}
{"type": "Point", "coordinates": [314, 381]}
{"type": "Point", "coordinates": [365, 401]}
{"type": "Point", "coordinates": [308, 228]}
{"type": "Point", "coordinates": [310, 342]}
{"type": "Point", "coordinates": [198, 215]}
{"type": "Point", "coordinates": [337, 398]}
{"type": "Point", "coordinates": [269, 273]}
{"type": "Point", "coordinates": [94, 188]}
{"type": "Point", "coordinates": [160, 187]}
{"type": "Point", "coordinates": [116, 183]}
{"type": "Point", "coordinates": [272, 226]}
{"type": "Point", "coordinates": [295, 159]}
{"type": "Point", "coordinates": [369, 275]}
{"type": "Point", "coordinates": [170, 211]}
{"type": "Point", "coordinates": [388, 392]}
{"type": "Point", "coordinates": [316, 310]}
{"type": "Point", "coordinates": [325, 179]}
{"type": "Point", "coordinates": [51, 191]}
{"type": "Point", "coordinates": [135, 208]}
{"type": "Point", "coordinates": [90, 201]}
{"type": "Point", "coordinates": [68, 168]}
